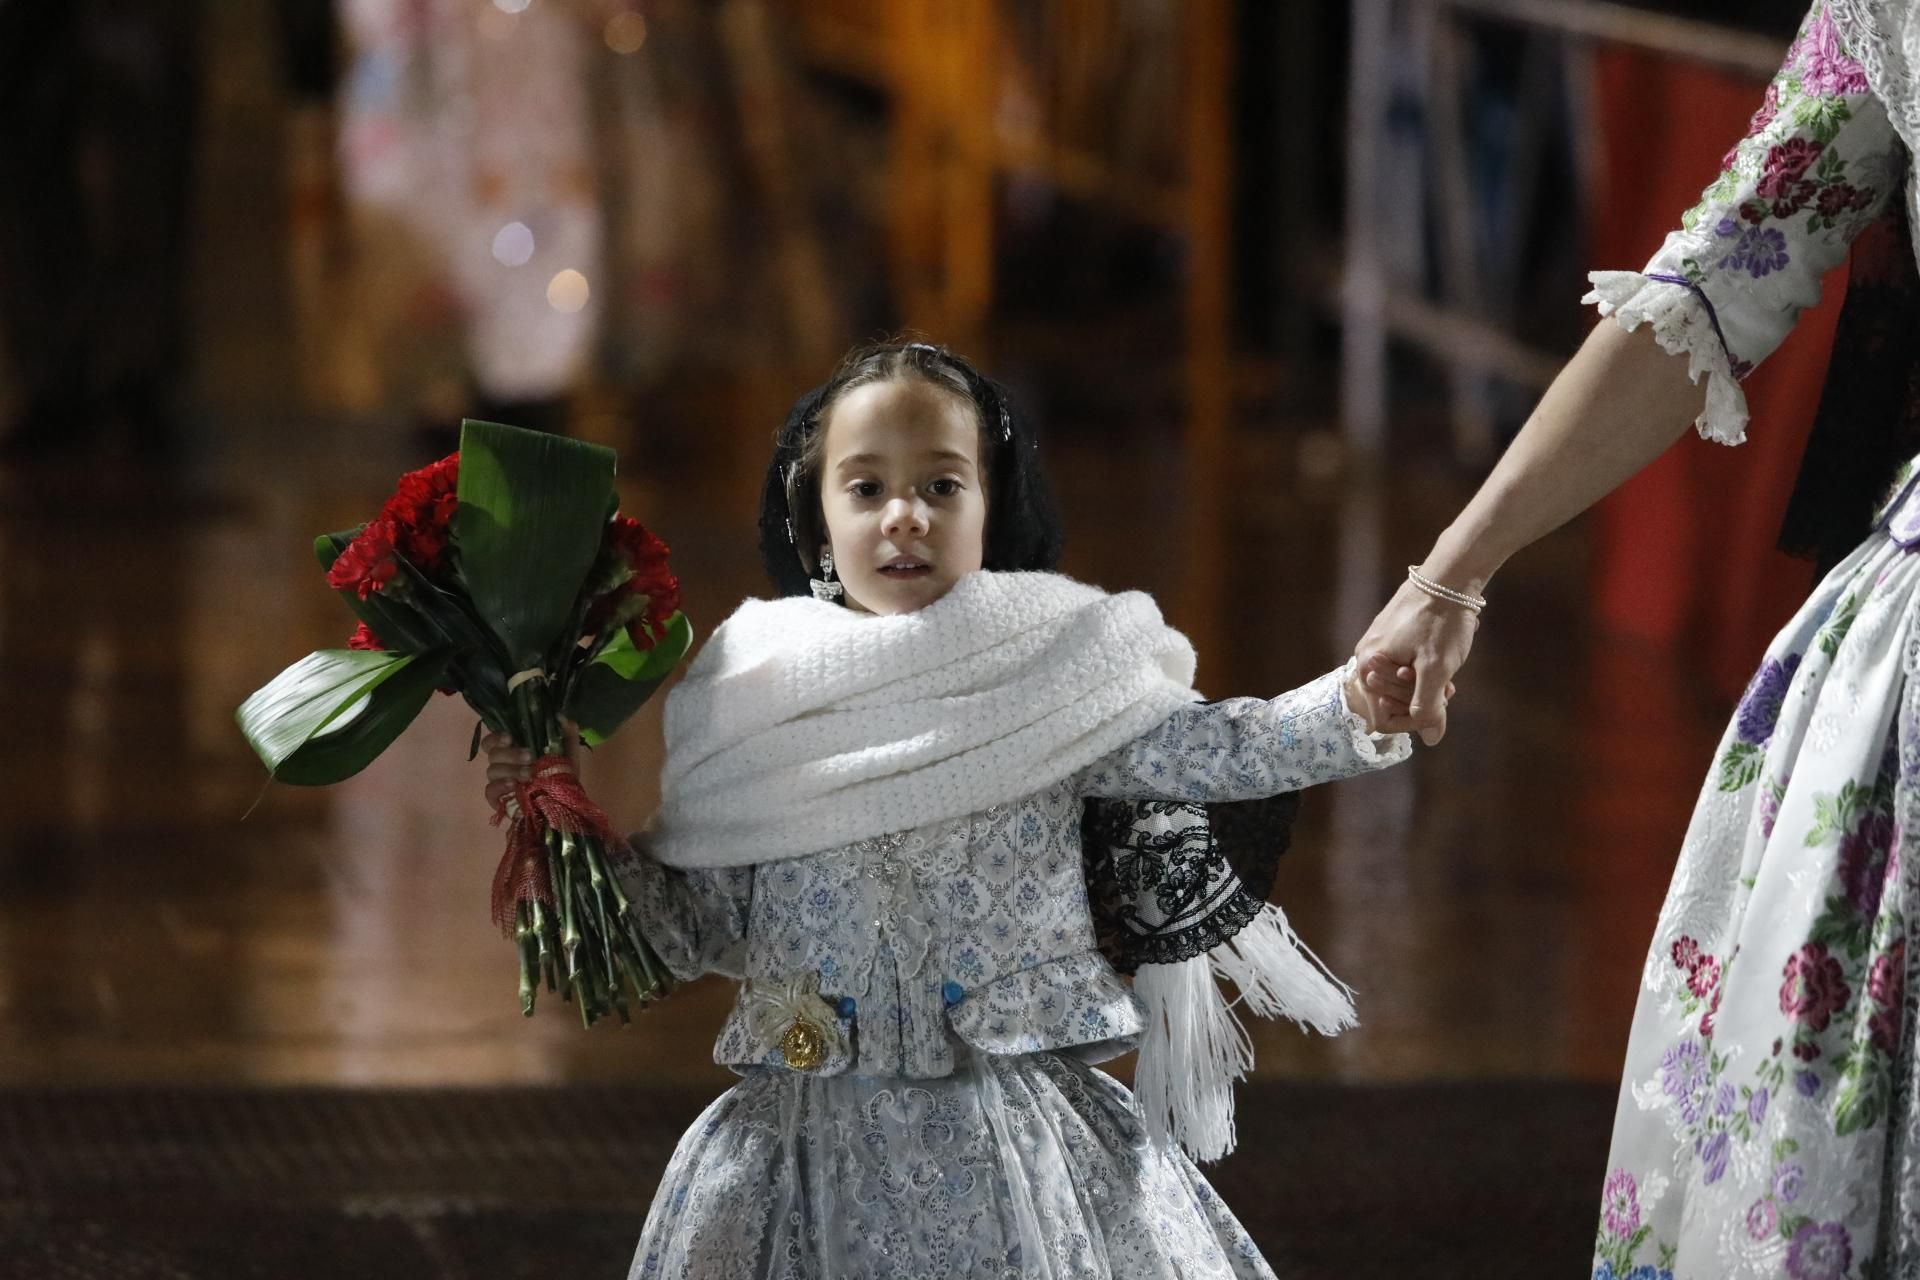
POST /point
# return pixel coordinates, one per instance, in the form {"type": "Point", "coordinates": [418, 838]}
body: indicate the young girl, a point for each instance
{"type": "Point", "coordinates": [872, 817]}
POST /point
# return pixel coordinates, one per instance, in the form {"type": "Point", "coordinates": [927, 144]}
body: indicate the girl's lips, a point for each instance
{"type": "Point", "coordinates": [906, 569]}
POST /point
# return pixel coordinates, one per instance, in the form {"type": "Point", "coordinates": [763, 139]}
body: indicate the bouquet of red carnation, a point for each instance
{"type": "Point", "coordinates": [503, 574]}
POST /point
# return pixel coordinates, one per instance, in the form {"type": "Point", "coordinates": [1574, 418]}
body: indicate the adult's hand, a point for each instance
{"type": "Point", "coordinates": [1431, 636]}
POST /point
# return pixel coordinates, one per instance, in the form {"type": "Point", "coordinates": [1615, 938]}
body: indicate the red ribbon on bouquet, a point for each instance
{"type": "Point", "coordinates": [551, 800]}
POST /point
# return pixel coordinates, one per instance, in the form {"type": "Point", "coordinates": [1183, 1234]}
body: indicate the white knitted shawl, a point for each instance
{"type": "Point", "coordinates": [804, 726]}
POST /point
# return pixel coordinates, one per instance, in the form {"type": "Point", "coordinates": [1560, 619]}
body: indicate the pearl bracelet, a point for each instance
{"type": "Point", "coordinates": [1472, 603]}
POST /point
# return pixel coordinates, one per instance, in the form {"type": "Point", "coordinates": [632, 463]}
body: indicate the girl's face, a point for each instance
{"type": "Point", "coordinates": [901, 489]}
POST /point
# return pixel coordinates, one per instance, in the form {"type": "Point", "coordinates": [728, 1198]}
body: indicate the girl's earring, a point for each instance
{"type": "Point", "coordinates": [824, 586]}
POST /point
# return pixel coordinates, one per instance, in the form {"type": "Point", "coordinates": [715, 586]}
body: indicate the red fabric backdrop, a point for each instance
{"type": "Point", "coordinates": [1684, 552]}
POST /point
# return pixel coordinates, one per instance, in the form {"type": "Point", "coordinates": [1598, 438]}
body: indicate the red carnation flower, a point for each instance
{"type": "Point", "coordinates": [651, 595]}
{"type": "Point", "coordinates": [364, 639]}
{"type": "Point", "coordinates": [421, 510]}
{"type": "Point", "coordinates": [1705, 978]}
{"type": "Point", "coordinates": [1686, 954]}
{"type": "Point", "coordinates": [367, 565]}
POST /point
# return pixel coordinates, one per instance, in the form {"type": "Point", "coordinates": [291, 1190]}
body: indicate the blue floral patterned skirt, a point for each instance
{"type": "Point", "coordinates": [1767, 1115]}
{"type": "Point", "coordinates": [1023, 1168]}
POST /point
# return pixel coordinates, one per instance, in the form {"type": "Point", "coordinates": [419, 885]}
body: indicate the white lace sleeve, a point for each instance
{"type": "Point", "coordinates": [1683, 324]}
{"type": "Point", "coordinates": [1815, 169]}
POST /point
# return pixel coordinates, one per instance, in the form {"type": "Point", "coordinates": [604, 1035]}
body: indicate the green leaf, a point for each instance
{"type": "Point", "coordinates": [328, 715]}
{"type": "Point", "coordinates": [529, 524]}
{"type": "Point", "coordinates": [1740, 766]}
{"type": "Point", "coordinates": [621, 679]}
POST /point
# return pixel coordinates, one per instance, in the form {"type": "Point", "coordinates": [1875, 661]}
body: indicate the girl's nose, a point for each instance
{"type": "Point", "coordinates": [904, 516]}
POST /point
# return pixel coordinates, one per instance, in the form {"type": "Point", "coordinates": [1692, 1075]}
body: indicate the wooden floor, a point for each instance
{"type": "Point", "coordinates": [164, 920]}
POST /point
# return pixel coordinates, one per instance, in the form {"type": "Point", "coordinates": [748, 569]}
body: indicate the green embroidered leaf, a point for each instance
{"type": "Point", "coordinates": [1861, 1101]}
{"type": "Point", "coordinates": [1838, 623]}
{"type": "Point", "coordinates": [1840, 929]}
{"type": "Point", "coordinates": [1740, 766]}
{"type": "Point", "coordinates": [1784, 1148]}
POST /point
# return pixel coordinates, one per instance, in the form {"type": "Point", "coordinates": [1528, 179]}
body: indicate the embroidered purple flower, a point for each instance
{"type": "Point", "coordinates": [1766, 693]}
{"type": "Point", "coordinates": [1826, 70]}
{"type": "Point", "coordinates": [1815, 987]}
{"type": "Point", "coordinates": [1770, 808]}
{"type": "Point", "coordinates": [1762, 1219]}
{"type": "Point", "coordinates": [1820, 1251]}
{"type": "Point", "coordinates": [1713, 1154]}
{"type": "Point", "coordinates": [1724, 1099]}
{"type": "Point", "coordinates": [1788, 1180]}
{"type": "Point", "coordinates": [1683, 1074]}
{"type": "Point", "coordinates": [1620, 1204]}
{"type": "Point", "coordinates": [1760, 252]}
{"type": "Point", "coordinates": [1785, 164]}
{"type": "Point", "coordinates": [1806, 1083]}
{"type": "Point", "coordinates": [1863, 861]}
{"type": "Point", "coordinates": [1757, 1106]}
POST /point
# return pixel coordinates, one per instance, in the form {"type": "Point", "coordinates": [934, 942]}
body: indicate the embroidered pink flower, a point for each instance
{"type": "Point", "coordinates": [1826, 70]}
{"type": "Point", "coordinates": [1705, 978]}
{"type": "Point", "coordinates": [1621, 1204]}
{"type": "Point", "coordinates": [1686, 953]}
{"type": "Point", "coordinates": [1815, 987]}
{"type": "Point", "coordinates": [1769, 108]}
{"type": "Point", "coordinates": [1762, 1219]}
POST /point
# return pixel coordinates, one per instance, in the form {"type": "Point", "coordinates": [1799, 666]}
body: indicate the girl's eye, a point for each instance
{"type": "Point", "coordinates": [945, 487]}
{"type": "Point", "coordinates": [864, 489]}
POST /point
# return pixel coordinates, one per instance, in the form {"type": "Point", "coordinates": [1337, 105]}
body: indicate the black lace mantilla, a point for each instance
{"type": "Point", "coordinates": [1169, 880]}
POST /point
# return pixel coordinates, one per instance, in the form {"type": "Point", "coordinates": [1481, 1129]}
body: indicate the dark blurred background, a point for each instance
{"type": "Point", "coordinates": [1278, 278]}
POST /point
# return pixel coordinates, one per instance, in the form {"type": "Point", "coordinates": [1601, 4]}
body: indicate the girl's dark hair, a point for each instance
{"type": "Point", "coordinates": [1023, 528]}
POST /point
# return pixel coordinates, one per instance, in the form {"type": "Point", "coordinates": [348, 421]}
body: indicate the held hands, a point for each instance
{"type": "Point", "coordinates": [1380, 691]}
{"type": "Point", "coordinates": [1420, 639]}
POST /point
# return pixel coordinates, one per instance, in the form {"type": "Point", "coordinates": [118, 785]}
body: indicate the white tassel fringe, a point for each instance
{"type": "Point", "coordinates": [1195, 1048]}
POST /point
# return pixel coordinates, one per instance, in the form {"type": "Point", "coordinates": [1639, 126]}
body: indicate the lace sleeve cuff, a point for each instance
{"type": "Point", "coordinates": [1683, 323]}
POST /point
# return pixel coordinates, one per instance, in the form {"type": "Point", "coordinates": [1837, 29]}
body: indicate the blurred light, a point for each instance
{"type": "Point", "coordinates": [567, 291]}
{"type": "Point", "coordinates": [626, 32]}
{"type": "Point", "coordinates": [513, 245]}
{"type": "Point", "coordinates": [512, 6]}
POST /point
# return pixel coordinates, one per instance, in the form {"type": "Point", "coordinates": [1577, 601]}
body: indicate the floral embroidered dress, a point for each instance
{"type": "Point", "coordinates": [917, 1021]}
{"type": "Point", "coordinates": [1768, 1122]}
